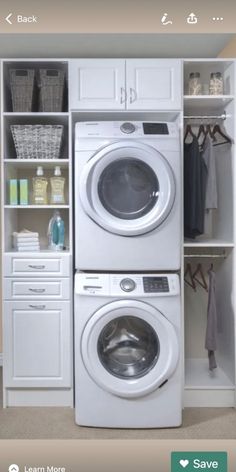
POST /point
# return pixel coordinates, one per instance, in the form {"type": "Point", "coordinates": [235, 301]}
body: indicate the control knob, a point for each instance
{"type": "Point", "coordinates": [127, 285]}
{"type": "Point", "coordinates": [127, 127]}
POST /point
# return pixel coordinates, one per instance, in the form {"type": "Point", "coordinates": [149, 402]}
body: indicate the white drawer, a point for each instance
{"type": "Point", "coordinates": [36, 289]}
{"type": "Point", "coordinates": [58, 265]}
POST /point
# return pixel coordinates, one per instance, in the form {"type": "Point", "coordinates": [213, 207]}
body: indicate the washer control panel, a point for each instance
{"type": "Point", "coordinates": [155, 284]}
{"type": "Point", "coordinates": [128, 285]}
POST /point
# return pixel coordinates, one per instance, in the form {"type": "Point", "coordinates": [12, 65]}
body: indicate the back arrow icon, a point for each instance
{"type": "Point", "coordinates": [8, 18]}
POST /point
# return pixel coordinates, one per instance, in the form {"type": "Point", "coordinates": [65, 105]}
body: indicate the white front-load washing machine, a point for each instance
{"type": "Point", "coordinates": [127, 350]}
{"type": "Point", "coordinates": [127, 196]}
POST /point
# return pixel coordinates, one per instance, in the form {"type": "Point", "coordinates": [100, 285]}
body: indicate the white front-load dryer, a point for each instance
{"type": "Point", "coordinates": [127, 350]}
{"type": "Point", "coordinates": [127, 196]}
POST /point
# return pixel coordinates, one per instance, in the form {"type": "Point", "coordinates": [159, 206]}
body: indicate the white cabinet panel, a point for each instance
{"type": "Point", "coordinates": [37, 344]}
{"type": "Point", "coordinates": [36, 288]}
{"type": "Point", "coordinates": [37, 266]}
{"type": "Point", "coordinates": [97, 84]}
{"type": "Point", "coordinates": [153, 84]}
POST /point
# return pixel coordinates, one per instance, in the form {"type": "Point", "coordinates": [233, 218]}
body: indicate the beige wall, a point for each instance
{"type": "Point", "coordinates": [229, 50]}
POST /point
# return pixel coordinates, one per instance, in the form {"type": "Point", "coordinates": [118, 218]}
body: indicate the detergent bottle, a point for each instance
{"type": "Point", "coordinates": [56, 232]}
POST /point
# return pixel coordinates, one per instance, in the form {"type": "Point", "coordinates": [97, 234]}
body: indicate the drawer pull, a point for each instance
{"type": "Point", "coordinates": [37, 290]}
{"type": "Point", "coordinates": [38, 307]}
{"type": "Point", "coordinates": [37, 267]}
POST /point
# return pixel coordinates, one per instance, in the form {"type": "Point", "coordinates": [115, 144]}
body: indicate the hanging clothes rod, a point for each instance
{"type": "Point", "coordinates": [223, 256]}
{"type": "Point", "coordinates": [223, 116]}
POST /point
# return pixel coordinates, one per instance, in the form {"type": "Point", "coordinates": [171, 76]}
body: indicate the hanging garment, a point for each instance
{"type": "Point", "coordinates": [195, 178]}
{"type": "Point", "coordinates": [208, 155]}
{"type": "Point", "coordinates": [211, 330]}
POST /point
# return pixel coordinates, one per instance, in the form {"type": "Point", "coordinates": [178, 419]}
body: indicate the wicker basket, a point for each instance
{"type": "Point", "coordinates": [37, 141]}
{"type": "Point", "coordinates": [22, 89]}
{"type": "Point", "coordinates": [51, 85]}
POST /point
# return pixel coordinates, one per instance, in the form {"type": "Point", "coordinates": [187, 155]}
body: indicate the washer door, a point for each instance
{"type": "Point", "coordinates": [129, 348]}
{"type": "Point", "coordinates": [128, 188]}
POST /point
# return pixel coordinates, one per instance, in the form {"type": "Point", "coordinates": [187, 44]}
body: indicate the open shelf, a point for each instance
{"type": "Point", "coordinates": [198, 376]}
{"type": "Point", "coordinates": [208, 243]}
{"type": "Point", "coordinates": [205, 103]}
{"type": "Point", "coordinates": [42, 251]}
{"type": "Point", "coordinates": [36, 113]}
{"type": "Point", "coordinates": [30, 207]}
{"type": "Point", "coordinates": [15, 119]}
{"type": "Point", "coordinates": [36, 65]}
{"type": "Point", "coordinates": [32, 163]}
{"type": "Point", "coordinates": [22, 217]}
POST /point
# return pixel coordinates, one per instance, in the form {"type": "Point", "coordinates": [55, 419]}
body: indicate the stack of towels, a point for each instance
{"type": "Point", "coordinates": [26, 241]}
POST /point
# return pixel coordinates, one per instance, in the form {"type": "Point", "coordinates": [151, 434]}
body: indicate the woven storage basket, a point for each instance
{"type": "Point", "coordinates": [37, 141]}
{"type": "Point", "coordinates": [51, 85]}
{"type": "Point", "coordinates": [22, 89]}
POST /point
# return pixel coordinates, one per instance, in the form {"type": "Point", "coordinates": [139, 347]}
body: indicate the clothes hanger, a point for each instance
{"type": "Point", "coordinates": [210, 268]}
{"type": "Point", "coordinates": [201, 282]}
{"type": "Point", "coordinates": [217, 129]}
{"type": "Point", "coordinates": [188, 271]}
{"type": "Point", "coordinates": [201, 130]}
{"type": "Point", "coordinates": [189, 131]}
{"type": "Point", "coordinates": [210, 131]}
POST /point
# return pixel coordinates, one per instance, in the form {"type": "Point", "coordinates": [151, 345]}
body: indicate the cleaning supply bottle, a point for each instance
{"type": "Point", "coordinates": [57, 187]}
{"type": "Point", "coordinates": [56, 232]}
{"type": "Point", "coordinates": [40, 184]}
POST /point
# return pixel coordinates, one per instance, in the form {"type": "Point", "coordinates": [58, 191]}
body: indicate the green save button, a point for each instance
{"type": "Point", "coordinates": [199, 461]}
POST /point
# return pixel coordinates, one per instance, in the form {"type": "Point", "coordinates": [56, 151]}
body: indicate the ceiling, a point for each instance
{"type": "Point", "coordinates": [113, 45]}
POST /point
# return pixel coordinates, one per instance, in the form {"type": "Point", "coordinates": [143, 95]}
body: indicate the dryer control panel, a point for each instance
{"type": "Point", "coordinates": [126, 129]}
{"type": "Point", "coordinates": [127, 285]}
{"type": "Point", "coordinates": [155, 284]}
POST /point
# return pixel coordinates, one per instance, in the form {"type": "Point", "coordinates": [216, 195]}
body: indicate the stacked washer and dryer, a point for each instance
{"type": "Point", "coordinates": [128, 335]}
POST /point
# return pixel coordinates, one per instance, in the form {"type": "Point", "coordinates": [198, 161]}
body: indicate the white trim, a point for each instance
{"type": "Point", "coordinates": [1, 359]}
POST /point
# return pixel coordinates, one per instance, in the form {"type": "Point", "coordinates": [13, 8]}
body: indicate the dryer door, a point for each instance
{"type": "Point", "coordinates": [128, 188]}
{"type": "Point", "coordinates": [129, 348]}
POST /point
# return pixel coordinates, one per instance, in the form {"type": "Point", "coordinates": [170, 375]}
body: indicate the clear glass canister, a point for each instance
{"type": "Point", "coordinates": [194, 84]}
{"type": "Point", "coordinates": [216, 84]}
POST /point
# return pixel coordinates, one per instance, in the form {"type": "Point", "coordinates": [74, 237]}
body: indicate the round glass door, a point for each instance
{"type": "Point", "coordinates": [128, 347]}
{"type": "Point", "coordinates": [127, 188]}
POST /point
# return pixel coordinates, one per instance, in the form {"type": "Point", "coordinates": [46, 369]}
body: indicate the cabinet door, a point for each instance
{"type": "Point", "coordinates": [37, 340]}
{"type": "Point", "coordinates": [97, 84]}
{"type": "Point", "coordinates": [154, 84]}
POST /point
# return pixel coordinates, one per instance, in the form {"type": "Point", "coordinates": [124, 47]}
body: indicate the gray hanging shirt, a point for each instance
{"type": "Point", "coordinates": [211, 330]}
{"type": "Point", "coordinates": [208, 156]}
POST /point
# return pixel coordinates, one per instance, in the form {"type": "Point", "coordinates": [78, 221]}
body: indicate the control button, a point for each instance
{"type": "Point", "coordinates": [128, 285]}
{"type": "Point", "coordinates": [127, 127]}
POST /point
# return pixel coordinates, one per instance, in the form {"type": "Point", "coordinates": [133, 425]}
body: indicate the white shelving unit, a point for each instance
{"type": "Point", "coordinates": [202, 387]}
{"type": "Point", "coordinates": [48, 372]}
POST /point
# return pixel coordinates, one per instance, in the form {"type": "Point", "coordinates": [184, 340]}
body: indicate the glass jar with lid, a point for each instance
{"type": "Point", "coordinates": [216, 84]}
{"type": "Point", "coordinates": [194, 84]}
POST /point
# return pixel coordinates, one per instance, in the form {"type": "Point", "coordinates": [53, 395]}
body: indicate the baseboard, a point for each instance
{"type": "Point", "coordinates": [1, 358]}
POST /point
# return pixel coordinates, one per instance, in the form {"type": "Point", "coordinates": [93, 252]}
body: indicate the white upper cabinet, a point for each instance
{"type": "Point", "coordinates": [153, 84]}
{"type": "Point", "coordinates": [97, 84]}
{"type": "Point", "coordinates": [119, 84]}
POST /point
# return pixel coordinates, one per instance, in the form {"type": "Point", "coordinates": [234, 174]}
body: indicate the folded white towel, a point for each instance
{"type": "Point", "coordinates": [33, 248]}
{"type": "Point", "coordinates": [26, 234]}
{"type": "Point", "coordinates": [25, 241]}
